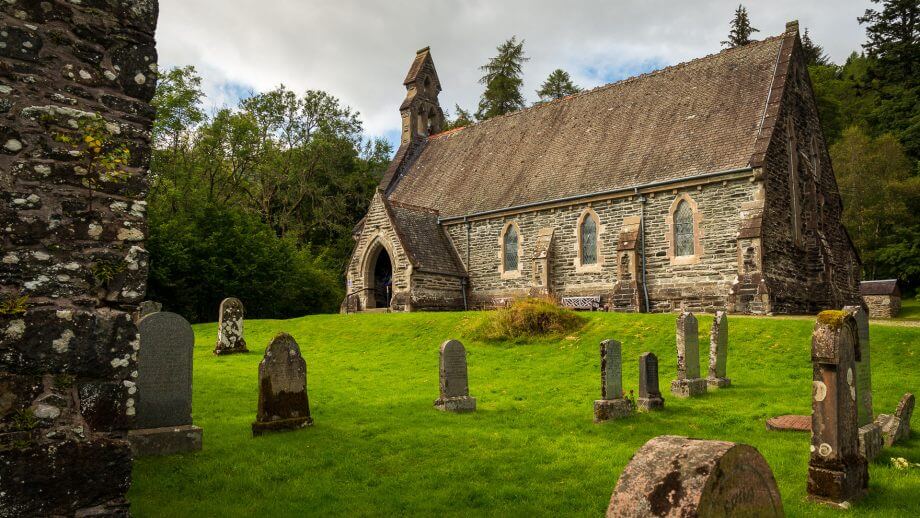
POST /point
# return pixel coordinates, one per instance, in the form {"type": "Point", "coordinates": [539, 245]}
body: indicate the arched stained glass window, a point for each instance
{"type": "Point", "coordinates": [683, 230]}
{"type": "Point", "coordinates": [588, 240]}
{"type": "Point", "coordinates": [511, 249]}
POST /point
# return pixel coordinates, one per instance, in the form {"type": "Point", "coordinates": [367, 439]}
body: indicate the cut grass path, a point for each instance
{"type": "Point", "coordinates": [380, 448]}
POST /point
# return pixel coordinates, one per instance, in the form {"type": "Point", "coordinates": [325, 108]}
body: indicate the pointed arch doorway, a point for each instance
{"type": "Point", "coordinates": [379, 277]}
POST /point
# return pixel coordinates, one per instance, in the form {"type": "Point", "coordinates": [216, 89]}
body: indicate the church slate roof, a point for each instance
{"type": "Point", "coordinates": [424, 240]}
{"type": "Point", "coordinates": [698, 117]}
{"type": "Point", "coordinates": [883, 287]}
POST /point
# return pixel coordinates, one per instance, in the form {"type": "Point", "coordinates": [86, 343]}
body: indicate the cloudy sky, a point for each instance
{"type": "Point", "coordinates": [360, 50]}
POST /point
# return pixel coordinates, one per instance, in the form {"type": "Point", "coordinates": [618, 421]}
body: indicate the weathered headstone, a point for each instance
{"type": "Point", "coordinates": [230, 328]}
{"type": "Point", "coordinates": [895, 428]}
{"type": "Point", "coordinates": [649, 393]}
{"type": "Point", "coordinates": [718, 351]}
{"type": "Point", "coordinates": [454, 379]}
{"type": "Point", "coordinates": [145, 308]}
{"type": "Point", "coordinates": [164, 387]}
{"type": "Point", "coordinates": [283, 402]}
{"type": "Point", "coordinates": [688, 382]}
{"type": "Point", "coordinates": [870, 436]}
{"type": "Point", "coordinates": [675, 477]}
{"type": "Point", "coordinates": [612, 404]}
{"type": "Point", "coordinates": [837, 474]}
{"type": "Point", "coordinates": [789, 423]}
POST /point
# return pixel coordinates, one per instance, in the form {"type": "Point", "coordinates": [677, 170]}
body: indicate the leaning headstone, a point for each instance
{"type": "Point", "coordinates": [649, 393]}
{"type": "Point", "coordinates": [145, 308]}
{"type": "Point", "coordinates": [718, 351]}
{"type": "Point", "coordinates": [688, 382]}
{"type": "Point", "coordinates": [837, 474]}
{"type": "Point", "coordinates": [283, 403]}
{"type": "Point", "coordinates": [612, 404]}
{"type": "Point", "coordinates": [454, 380]}
{"type": "Point", "coordinates": [895, 428]}
{"type": "Point", "coordinates": [230, 328]}
{"type": "Point", "coordinates": [163, 405]}
{"type": "Point", "coordinates": [676, 477]}
{"type": "Point", "coordinates": [870, 435]}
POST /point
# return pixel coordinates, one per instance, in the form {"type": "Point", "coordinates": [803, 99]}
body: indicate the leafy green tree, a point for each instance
{"type": "Point", "coordinates": [503, 81]}
{"type": "Point", "coordinates": [557, 86]}
{"type": "Point", "coordinates": [178, 106]}
{"type": "Point", "coordinates": [814, 53]}
{"type": "Point", "coordinates": [741, 29]}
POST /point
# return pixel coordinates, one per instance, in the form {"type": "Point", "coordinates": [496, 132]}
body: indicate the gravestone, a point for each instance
{"type": "Point", "coordinates": [454, 380]}
{"type": "Point", "coordinates": [895, 428]}
{"type": "Point", "coordinates": [164, 387]}
{"type": "Point", "coordinates": [718, 351]}
{"type": "Point", "coordinates": [612, 404]}
{"type": "Point", "coordinates": [837, 474]}
{"type": "Point", "coordinates": [230, 328]}
{"type": "Point", "coordinates": [688, 382]}
{"type": "Point", "coordinates": [649, 393]}
{"type": "Point", "coordinates": [145, 308]}
{"type": "Point", "coordinates": [676, 477]}
{"type": "Point", "coordinates": [870, 436]}
{"type": "Point", "coordinates": [283, 402]}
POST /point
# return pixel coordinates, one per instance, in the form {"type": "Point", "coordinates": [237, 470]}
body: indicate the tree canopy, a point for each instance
{"type": "Point", "coordinates": [741, 29]}
{"type": "Point", "coordinates": [557, 86]}
{"type": "Point", "coordinates": [502, 78]}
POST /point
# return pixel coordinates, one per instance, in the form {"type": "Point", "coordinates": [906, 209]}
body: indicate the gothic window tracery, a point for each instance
{"type": "Point", "coordinates": [683, 230]}
{"type": "Point", "coordinates": [588, 238]}
{"type": "Point", "coordinates": [510, 249]}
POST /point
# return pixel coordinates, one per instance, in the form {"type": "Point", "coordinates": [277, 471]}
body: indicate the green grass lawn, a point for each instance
{"type": "Point", "coordinates": [910, 309]}
{"type": "Point", "coordinates": [380, 448]}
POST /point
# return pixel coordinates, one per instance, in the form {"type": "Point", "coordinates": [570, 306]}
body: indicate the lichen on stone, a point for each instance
{"type": "Point", "coordinates": [831, 318]}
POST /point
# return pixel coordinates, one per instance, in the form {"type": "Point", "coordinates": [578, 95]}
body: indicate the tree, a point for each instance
{"type": "Point", "coordinates": [178, 105]}
{"type": "Point", "coordinates": [557, 86]}
{"type": "Point", "coordinates": [502, 80]}
{"type": "Point", "coordinates": [894, 38]}
{"type": "Point", "coordinates": [741, 30]}
{"type": "Point", "coordinates": [814, 53]}
{"type": "Point", "coordinates": [463, 118]}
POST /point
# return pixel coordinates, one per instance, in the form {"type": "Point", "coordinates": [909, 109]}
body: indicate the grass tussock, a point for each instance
{"type": "Point", "coordinates": [528, 318]}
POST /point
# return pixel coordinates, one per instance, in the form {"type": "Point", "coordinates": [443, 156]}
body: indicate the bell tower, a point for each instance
{"type": "Point", "coordinates": [420, 111]}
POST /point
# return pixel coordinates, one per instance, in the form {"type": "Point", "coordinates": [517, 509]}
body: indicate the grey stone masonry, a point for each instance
{"type": "Point", "coordinates": [688, 382]}
{"type": "Point", "coordinates": [230, 328]}
{"type": "Point", "coordinates": [837, 474]}
{"type": "Point", "coordinates": [164, 387]}
{"type": "Point", "coordinates": [145, 308]}
{"type": "Point", "coordinates": [612, 404]}
{"type": "Point", "coordinates": [718, 351]}
{"type": "Point", "coordinates": [649, 394]}
{"type": "Point", "coordinates": [454, 379]}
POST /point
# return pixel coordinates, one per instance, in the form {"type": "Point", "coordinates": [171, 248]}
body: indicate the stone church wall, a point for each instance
{"type": "Point", "coordinates": [68, 361]}
{"type": "Point", "coordinates": [704, 285]}
{"type": "Point", "coordinates": [821, 271]}
{"type": "Point", "coordinates": [436, 292]}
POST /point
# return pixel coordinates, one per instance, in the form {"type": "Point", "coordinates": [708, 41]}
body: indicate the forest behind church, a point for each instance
{"type": "Point", "coordinates": [259, 200]}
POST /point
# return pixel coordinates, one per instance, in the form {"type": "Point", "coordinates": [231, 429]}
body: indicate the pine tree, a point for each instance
{"type": "Point", "coordinates": [894, 38]}
{"type": "Point", "coordinates": [503, 81]}
{"type": "Point", "coordinates": [463, 118]}
{"type": "Point", "coordinates": [814, 53]}
{"type": "Point", "coordinates": [741, 31]}
{"type": "Point", "coordinates": [557, 86]}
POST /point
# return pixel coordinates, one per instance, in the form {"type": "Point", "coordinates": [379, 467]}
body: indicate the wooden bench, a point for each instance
{"type": "Point", "coordinates": [582, 303]}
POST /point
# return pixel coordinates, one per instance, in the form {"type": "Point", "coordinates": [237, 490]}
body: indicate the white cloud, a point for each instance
{"type": "Point", "coordinates": [360, 51]}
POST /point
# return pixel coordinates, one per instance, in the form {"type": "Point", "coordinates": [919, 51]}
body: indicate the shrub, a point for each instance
{"type": "Point", "coordinates": [528, 318]}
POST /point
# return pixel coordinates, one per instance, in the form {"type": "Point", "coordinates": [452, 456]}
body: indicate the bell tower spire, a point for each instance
{"type": "Point", "coordinates": [420, 111]}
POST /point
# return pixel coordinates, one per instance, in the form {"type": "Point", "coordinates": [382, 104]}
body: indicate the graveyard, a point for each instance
{"type": "Point", "coordinates": [378, 446]}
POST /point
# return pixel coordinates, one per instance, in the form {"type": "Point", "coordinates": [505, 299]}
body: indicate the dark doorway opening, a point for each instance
{"type": "Point", "coordinates": [383, 280]}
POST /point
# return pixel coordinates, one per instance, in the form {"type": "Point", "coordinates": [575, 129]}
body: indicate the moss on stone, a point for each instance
{"type": "Point", "coordinates": [831, 318]}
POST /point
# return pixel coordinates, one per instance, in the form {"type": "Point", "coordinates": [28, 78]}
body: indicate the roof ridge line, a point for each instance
{"type": "Point", "coordinates": [669, 68]}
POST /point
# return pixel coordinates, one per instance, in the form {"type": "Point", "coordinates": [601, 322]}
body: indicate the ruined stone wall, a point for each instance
{"type": "Point", "coordinates": [378, 231]}
{"type": "Point", "coordinates": [703, 285]}
{"type": "Point", "coordinates": [68, 362]}
{"type": "Point", "coordinates": [882, 306]}
{"type": "Point", "coordinates": [821, 270]}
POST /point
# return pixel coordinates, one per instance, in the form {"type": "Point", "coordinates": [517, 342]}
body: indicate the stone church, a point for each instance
{"type": "Point", "coordinates": [705, 185]}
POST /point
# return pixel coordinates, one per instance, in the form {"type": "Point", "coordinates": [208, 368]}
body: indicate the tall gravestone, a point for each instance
{"type": "Point", "coordinates": [688, 382]}
{"type": "Point", "coordinates": [68, 346]}
{"type": "Point", "coordinates": [283, 402]}
{"type": "Point", "coordinates": [230, 328]}
{"type": "Point", "coordinates": [895, 428]}
{"type": "Point", "coordinates": [454, 379]}
{"type": "Point", "coordinates": [612, 404]}
{"type": "Point", "coordinates": [837, 474]}
{"type": "Point", "coordinates": [718, 351]}
{"type": "Point", "coordinates": [870, 435]}
{"type": "Point", "coordinates": [164, 387]}
{"type": "Point", "coordinates": [649, 393]}
{"type": "Point", "coordinates": [677, 477]}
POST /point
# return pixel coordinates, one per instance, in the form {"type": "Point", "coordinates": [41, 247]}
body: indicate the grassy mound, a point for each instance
{"type": "Point", "coordinates": [528, 318]}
